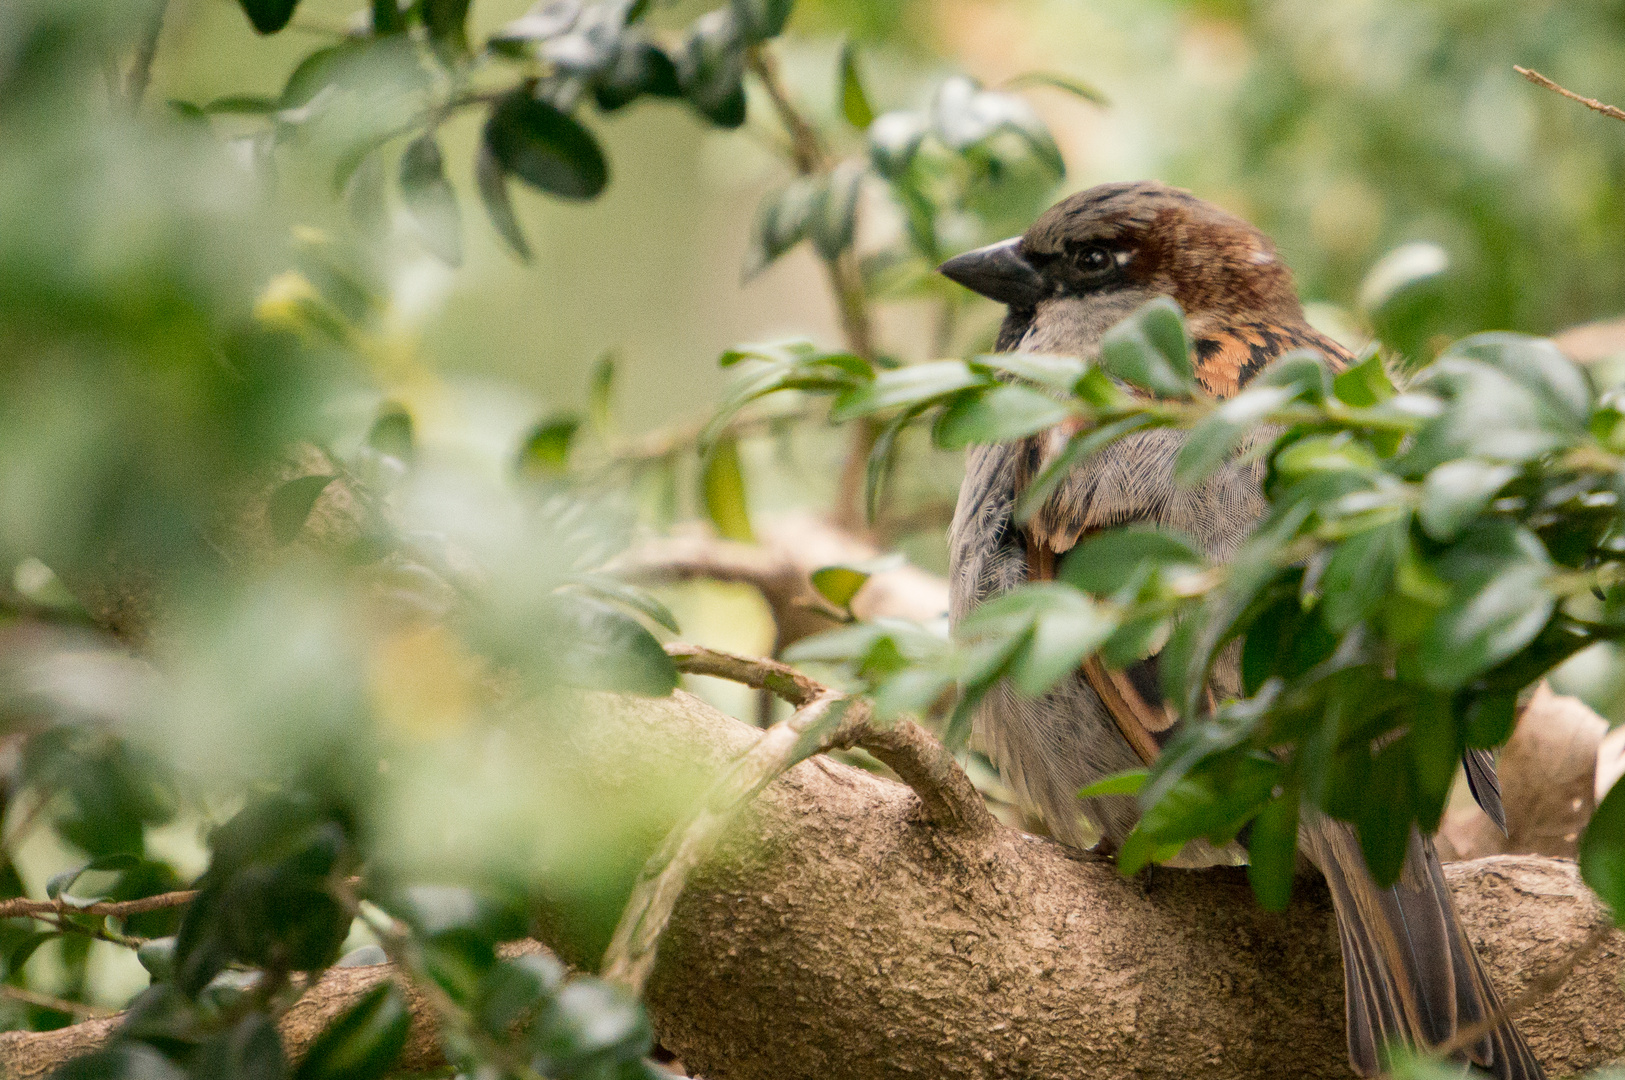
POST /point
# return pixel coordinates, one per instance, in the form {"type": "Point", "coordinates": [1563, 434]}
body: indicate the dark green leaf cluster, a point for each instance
{"type": "Point", "coordinates": [407, 68]}
{"type": "Point", "coordinates": [1430, 550]}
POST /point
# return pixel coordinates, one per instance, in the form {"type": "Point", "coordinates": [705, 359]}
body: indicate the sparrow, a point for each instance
{"type": "Point", "coordinates": [1410, 973]}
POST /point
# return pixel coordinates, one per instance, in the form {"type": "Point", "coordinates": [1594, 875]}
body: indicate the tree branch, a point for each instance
{"type": "Point", "coordinates": [833, 934]}
{"type": "Point", "coordinates": [1591, 103]}
{"type": "Point", "coordinates": [23, 907]}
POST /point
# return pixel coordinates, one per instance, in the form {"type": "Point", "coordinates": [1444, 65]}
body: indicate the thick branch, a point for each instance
{"type": "Point", "coordinates": [835, 934]}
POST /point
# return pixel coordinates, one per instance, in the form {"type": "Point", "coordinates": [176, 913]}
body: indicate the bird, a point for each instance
{"type": "Point", "coordinates": [1411, 975]}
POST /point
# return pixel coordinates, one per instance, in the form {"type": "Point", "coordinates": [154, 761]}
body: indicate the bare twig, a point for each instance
{"type": "Point", "coordinates": [22, 907]}
{"type": "Point", "coordinates": [140, 75]}
{"type": "Point", "coordinates": [61, 1005]}
{"type": "Point", "coordinates": [1591, 103]}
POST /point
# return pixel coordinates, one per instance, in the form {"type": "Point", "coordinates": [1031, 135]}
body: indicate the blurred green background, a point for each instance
{"type": "Point", "coordinates": [1343, 127]}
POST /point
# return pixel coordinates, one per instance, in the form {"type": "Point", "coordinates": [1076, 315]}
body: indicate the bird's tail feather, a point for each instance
{"type": "Point", "coordinates": [1410, 974]}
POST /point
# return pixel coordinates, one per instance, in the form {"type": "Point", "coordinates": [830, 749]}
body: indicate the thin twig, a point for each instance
{"type": "Point", "coordinates": [22, 907]}
{"type": "Point", "coordinates": [1541, 986]}
{"type": "Point", "coordinates": [1591, 103]}
{"type": "Point", "coordinates": [47, 1001]}
{"type": "Point", "coordinates": [140, 75]}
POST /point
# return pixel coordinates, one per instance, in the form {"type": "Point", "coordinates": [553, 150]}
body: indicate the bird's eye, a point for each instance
{"type": "Point", "coordinates": [1094, 259]}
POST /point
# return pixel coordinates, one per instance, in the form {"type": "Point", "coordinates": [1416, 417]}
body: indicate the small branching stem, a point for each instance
{"type": "Point", "coordinates": [1591, 103]}
{"type": "Point", "coordinates": [824, 720]}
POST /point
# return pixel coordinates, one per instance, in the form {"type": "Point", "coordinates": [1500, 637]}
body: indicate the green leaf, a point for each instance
{"type": "Point", "coordinates": [243, 105]}
{"type": "Point", "coordinates": [590, 1018]}
{"type": "Point", "coordinates": [1272, 852]}
{"type": "Point", "coordinates": [894, 139]}
{"type": "Point", "coordinates": [391, 433]}
{"type": "Point", "coordinates": [1149, 350]}
{"type": "Point", "coordinates": [1065, 632]}
{"type": "Point", "coordinates": [1106, 563]}
{"type": "Point", "coordinates": [601, 393]}
{"type": "Point", "coordinates": [290, 505]}
{"type": "Point", "coordinates": [493, 186]}
{"type": "Point", "coordinates": [1060, 373]}
{"type": "Point", "coordinates": [722, 485]}
{"type": "Point", "coordinates": [1123, 783]}
{"type": "Point", "coordinates": [710, 68]}
{"type": "Point", "coordinates": [364, 1043]}
{"type": "Point", "coordinates": [61, 883]}
{"type": "Point", "coordinates": [387, 17]}
{"type": "Point", "coordinates": [1535, 363]}
{"type": "Point", "coordinates": [907, 387]}
{"type": "Point", "coordinates": [1004, 413]}
{"type": "Point", "coordinates": [1401, 270]}
{"type": "Point", "coordinates": [158, 957]}
{"type": "Point", "coordinates": [1458, 491]}
{"type": "Point", "coordinates": [546, 450]}
{"type": "Point", "coordinates": [782, 221]}
{"type": "Point", "coordinates": [1217, 435]}
{"type": "Point", "coordinates": [640, 67]}
{"type": "Point", "coordinates": [839, 584]}
{"type": "Point", "coordinates": [430, 200]}
{"type": "Point", "coordinates": [547, 149]}
{"type": "Point", "coordinates": [878, 467]}
{"type": "Point", "coordinates": [1602, 852]}
{"type": "Point", "coordinates": [269, 16]}
{"type": "Point", "coordinates": [762, 19]}
{"type": "Point", "coordinates": [854, 100]}
{"type": "Point", "coordinates": [1075, 87]}
{"type": "Point", "coordinates": [1365, 384]}
{"type": "Point", "coordinates": [1498, 603]}
{"type": "Point", "coordinates": [596, 646]}
{"type": "Point", "coordinates": [835, 217]}
{"type": "Point", "coordinates": [1359, 574]}
{"type": "Point", "coordinates": [447, 23]}
{"type": "Point", "coordinates": [630, 596]}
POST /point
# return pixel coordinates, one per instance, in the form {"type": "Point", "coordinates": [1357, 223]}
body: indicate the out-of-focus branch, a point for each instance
{"type": "Point", "coordinates": [117, 909]}
{"type": "Point", "coordinates": [1591, 103]}
{"type": "Point", "coordinates": [845, 282]}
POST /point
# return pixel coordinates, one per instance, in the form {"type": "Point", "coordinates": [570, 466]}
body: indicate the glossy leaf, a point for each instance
{"type": "Point", "coordinates": [547, 149]}
{"type": "Point", "coordinates": [907, 387]}
{"type": "Point", "coordinates": [1217, 436]}
{"type": "Point", "coordinates": [1107, 562]}
{"type": "Point", "coordinates": [391, 433]}
{"type": "Point", "coordinates": [1602, 852]}
{"type": "Point", "coordinates": [590, 1018]}
{"type": "Point", "coordinates": [1272, 852]}
{"type": "Point", "coordinates": [1458, 491]}
{"type": "Point", "coordinates": [854, 99]}
{"type": "Point", "coordinates": [290, 505]}
{"type": "Point", "coordinates": [631, 596]}
{"type": "Point", "coordinates": [447, 23]}
{"type": "Point", "coordinates": [1002, 414]}
{"type": "Point", "coordinates": [546, 450]}
{"type": "Point", "coordinates": [839, 584]}
{"type": "Point", "coordinates": [783, 220]}
{"type": "Point", "coordinates": [600, 647]}
{"type": "Point", "coordinates": [835, 215]}
{"type": "Point", "coordinates": [431, 201]}
{"type": "Point", "coordinates": [722, 485]}
{"type": "Point", "coordinates": [493, 186]}
{"type": "Point", "coordinates": [1366, 383]}
{"type": "Point", "coordinates": [1149, 350]}
{"type": "Point", "coordinates": [1498, 603]}
{"type": "Point", "coordinates": [1123, 783]}
{"type": "Point", "coordinates": [601, 393]}
{"type": "Point", "coordinates": [894, 139]}
{"type": "Point", "coordinates": [1074, 86]}
{"type": "Point", "coordinates": [269, 16]}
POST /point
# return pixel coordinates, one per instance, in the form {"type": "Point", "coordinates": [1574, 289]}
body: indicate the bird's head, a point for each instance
{"type": "Point", "coordinates": [1094, 257]}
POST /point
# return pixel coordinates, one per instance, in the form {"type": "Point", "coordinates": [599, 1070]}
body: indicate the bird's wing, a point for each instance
{"type": "Point", "coordinates": [1140, 721]}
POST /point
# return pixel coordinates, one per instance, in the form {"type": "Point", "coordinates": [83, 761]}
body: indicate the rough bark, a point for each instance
{"type": "Point", "coordinates": [838, 934]}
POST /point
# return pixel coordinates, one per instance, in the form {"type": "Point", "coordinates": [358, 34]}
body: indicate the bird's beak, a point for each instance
{"type": "Point", "coordinates": [999, 272]}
